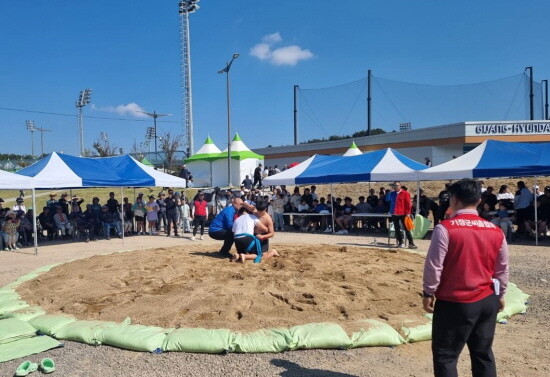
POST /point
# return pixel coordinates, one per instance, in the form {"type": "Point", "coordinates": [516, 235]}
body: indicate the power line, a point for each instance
{"type": "Point", "coordinates": [88, 116]}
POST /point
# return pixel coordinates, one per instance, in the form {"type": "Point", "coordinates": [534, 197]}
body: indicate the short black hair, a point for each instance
{"type": "Point", "coordinates": [261, 205]}
{"type": "Point", "coordinates": [467, 191]}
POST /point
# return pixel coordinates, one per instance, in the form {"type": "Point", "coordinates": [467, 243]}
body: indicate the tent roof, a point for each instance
{"type": "Point", "coordinates": [353, 150]}
{"type": "Point", "coordinates": [493, 159]}
{"type": "Point", "coordinates": [239, 150]}
{"type": "Point", "coordinates": [61, 170]}
{"type": "Point", "coordinates": [288, 177]}
{"type": "Point", "coordinates": [208, 152]}
{"type": "Point", "coordinates": [12, 181]}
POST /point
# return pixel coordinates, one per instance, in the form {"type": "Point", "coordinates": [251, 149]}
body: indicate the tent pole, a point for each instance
{"type": "Point", "coordinates": [332, 207]}
{"type": "Point", "coordinates": [122, 211]}
{"type": "Point", "coordinates": [34, 227]}
{"type": "Point", "coordinates": [535, 209]}
{"type": "Point", "coordinates": [417, 197]}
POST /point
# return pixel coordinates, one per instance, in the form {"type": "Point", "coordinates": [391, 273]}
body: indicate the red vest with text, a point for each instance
{"type": "Point", "coordinates": [469, 264]}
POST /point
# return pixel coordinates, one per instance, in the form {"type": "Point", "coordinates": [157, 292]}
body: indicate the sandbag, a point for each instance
{"type": "Point", "coordinates": [10, 306]}
{"type": "Point", "coordinates": [134, 337]}
{"type": "Point", "coordinates": [49, 324]}
{"type": "Point", "coordinates": [89, 332]}
{"type": "Point", "coordinates": [12, 329]}
{"type": "Point", "coordinates": [417, 333]}
{"type": "Point", "coordinates": [262, 341]}
{"type": "Point", "coordinates": [9, 295]}
{"type": "Point", "coordinates": [26, 347]}
{"type": "Point", "coordinates": [374, 333]}
{"type": "Point", "coordinates": [199, 340]}
{"type": "Point", "coordinates": [26, 314]}
{"type": "Point", "coordinates": [318, 335]}
{"type": "Point", "coordinates": [421, 227]}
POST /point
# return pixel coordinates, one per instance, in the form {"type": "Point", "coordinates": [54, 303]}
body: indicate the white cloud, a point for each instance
{"type": "Point", "coordinates": [124, 110]}
{"type": "Point", "coordinates": [289, 55]}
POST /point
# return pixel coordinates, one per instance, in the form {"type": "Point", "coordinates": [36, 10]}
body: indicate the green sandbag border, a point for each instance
{"type": "Point", "coordinates": [309, 336]}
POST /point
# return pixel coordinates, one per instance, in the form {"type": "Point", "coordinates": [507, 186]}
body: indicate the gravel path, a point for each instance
{"type": "Point", "coordinates": [521, 346]}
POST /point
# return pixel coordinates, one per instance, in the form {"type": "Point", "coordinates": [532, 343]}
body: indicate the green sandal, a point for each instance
{"type": "Point", "coordinates": [25, 368]}
{"type": "Point", "coordinates": [47, 365]}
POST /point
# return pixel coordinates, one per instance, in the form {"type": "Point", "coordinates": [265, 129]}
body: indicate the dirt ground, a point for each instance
{"type": "Point", "coordinates": [197, 288]}
{"type": "Point", "coordinates": [521, 346]}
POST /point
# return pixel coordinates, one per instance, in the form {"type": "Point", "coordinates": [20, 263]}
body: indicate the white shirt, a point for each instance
{"type": "Point", "coordinates": [245, 224]}
{"type": "Point", "coordinates": [505, 196]}
{"type": "Point", "coordinates": [19, 207]}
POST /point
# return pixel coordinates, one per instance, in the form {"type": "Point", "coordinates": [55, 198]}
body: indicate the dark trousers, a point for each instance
{"type": "Point", "coordinates": [198, 221]}
{"type": "Point", "coordinates": [162, 219]}
{"type": "Point", "coordinates": [456, 324]}
{"type": "Point", "coordinates": [226, 236]}
{"type": "Point", "coordinates": [258, 181]}
{"type": "Point", "coordinates": [442, 210]}
{"type": "Point", "coordinates": [521, 215]}
{"type": "Point", "coordinates": [172, 219]}
{"type": "Point", "coordinates": [397, 221]}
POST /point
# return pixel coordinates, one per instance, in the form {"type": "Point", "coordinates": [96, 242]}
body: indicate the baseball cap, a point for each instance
{"type": "Point", "coordinates": [19, 200]}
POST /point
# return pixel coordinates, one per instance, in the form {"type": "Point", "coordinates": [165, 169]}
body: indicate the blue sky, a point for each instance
{"type": "Point", "coordinates": [128, 52]}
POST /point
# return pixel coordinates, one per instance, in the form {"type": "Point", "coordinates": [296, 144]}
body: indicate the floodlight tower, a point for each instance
{"type": "Point", "coordinates": [153, 134]}
{"type": "Point", "coordinates": [185, 8]}
{"type": "Point", "coordinates": [32, 128]}
{"type": "Point", "coordinates": [83, 99]}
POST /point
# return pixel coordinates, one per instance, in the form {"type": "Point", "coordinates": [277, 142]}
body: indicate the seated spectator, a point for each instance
{"type": "Point", "coordinates": [490, 198]}
{"type": "Point", "coordinates": [308, 197]}
{"type": "Point", "coordinates": [345, 219]}
{"type": "Point", "coordinates": [317, 221]}
{"type": "Point", "coordinates": [372, 199]}
{"type": "Point", "coordinates": [93, 220]}
{"type": "Point", "coordinates": [484, 211]}
{"type": "Point", "coordinates": [46, 222]}
{"type": "Point", "coordinates": [363, 206]}
{"type": "Point", "coordinates": [9, 231]}
{"type": "Point", "coordinates": [110, 221]}
{"type": "Point", "coordinates": [503, 220]}
{"type": "Point", "coordinates": [26, 228]}
{"type": "Point", "coordinates": [80, 222]}
{"type": "Point", "coordinates": [543, 216]}
{"type": "Point", "coordinates": [295, 199]}
{"type": "Point", "coordinates": [19, 206]}
{"type": "Point", "coordinates": [506, 197]}
{"type": "Point", "coordinates": [76, 202]}
{"type": "Point", "coordinates": [62, 222]}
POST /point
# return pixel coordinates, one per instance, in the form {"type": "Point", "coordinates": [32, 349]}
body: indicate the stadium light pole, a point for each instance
{"type": "Point", "coordinates": [227, 86]}
{"type": "Point", "coordinates": [32, 128]}
{"type": "Point", "coordinates": [154, 115]}
{"type": "Point", "coordinates": [83, 99]}
{"type": "Point", "coordinates": [185, 8]}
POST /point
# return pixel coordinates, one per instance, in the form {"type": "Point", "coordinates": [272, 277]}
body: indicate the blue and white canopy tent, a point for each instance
{"type": "Point", "coordinates": [289, 176]}
{"type": "Point", "coordinates": [65, 171]}
{"type": "Point", "coordinates": [493, 159]}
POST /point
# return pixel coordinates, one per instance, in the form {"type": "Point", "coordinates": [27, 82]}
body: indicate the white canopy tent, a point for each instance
{"type": "Point", "coordinates": [201, 163]}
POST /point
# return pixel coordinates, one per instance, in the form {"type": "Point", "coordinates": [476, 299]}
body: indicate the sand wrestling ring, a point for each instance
{"type": "Point", "coordinates": [188, 299]}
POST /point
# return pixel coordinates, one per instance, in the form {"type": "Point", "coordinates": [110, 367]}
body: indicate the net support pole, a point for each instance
{"type": "Point", "coordinates": [296, 88]}
{"type": "Point", "coordinates": [536, 215]}
{"type": "Point", "coordinates": [34, 227]}
{"type": "Point", "coordinates": [417, 197]}
{"type": "Point", "coordinates": [531, 94]}
{"type": "Point", "coordinates": [369, 100]}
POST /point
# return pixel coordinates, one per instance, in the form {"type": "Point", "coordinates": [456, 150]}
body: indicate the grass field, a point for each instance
{"type": "Point", "coordinates": [353, 190]}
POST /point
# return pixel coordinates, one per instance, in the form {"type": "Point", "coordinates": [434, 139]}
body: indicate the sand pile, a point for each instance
{"type": "Point", "coordinates": [192, 287]}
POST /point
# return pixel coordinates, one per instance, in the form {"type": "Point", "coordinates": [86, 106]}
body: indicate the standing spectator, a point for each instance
{"type": "Point", "coordinates": [400, 211]}
{"type": "Point", "coordinates": [372, 199]}
{"type": "Point", "coordinates": [200, 213]}
{"type": "Point", "coordinates": [112, 203]}
{"type": "Point", "coordinates": [428, 161]}
{"type": "Point", "coordinates": [139, 215]}
{"type": "Point", "coordinates": [522, 201]}
{"type": "Point", "coordinates": [63, 203]}
{"type": "Point", "coordinates": [96, 214]}
{"type": "Point", "coordinates": [1, 203]}
{"type": "Point", "coordinates": [295, 199]}
{"type": "Point", "coordinates": [76, 202]}
{"type": "Point", "coordinates": [344, 221]}
{"type": "Point", "coordinates": [80, 222]}
{"type": "Point", "coordinates": [152, 208]}
{"type": "Point", "coordinates": [128, 216]}
{"type": "Point", "coordinates": [258, 177]}
{"type": "Point", "coordinates": [278, 210]}
{"type": "Point", "coordinates": [171, 213]}
{"type": "Point", "coordinates": [162, 213]}
{"type": "Point", "coordinates": [52, 201]}
{"type": "Point", "coordinates": [185, 216]}
{"type": "Point", "coordinates": [444, 197]}
{"type": "Point", "coordinates": [185, 174]}
{"type": "Point", "coordinates": [465, 279]}
{"type": "Point", "coordinates": [247, 183]}
{"type": "Point", "coordinates": [308, 197]}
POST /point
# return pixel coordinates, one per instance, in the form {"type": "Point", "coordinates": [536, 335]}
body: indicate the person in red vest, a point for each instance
{"type": "Point", "coordinates": [402, 208]}
{"type": "Point", "coordinates": [200, 213]}
{"type": "Point", "coordinates": [465, 279]}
